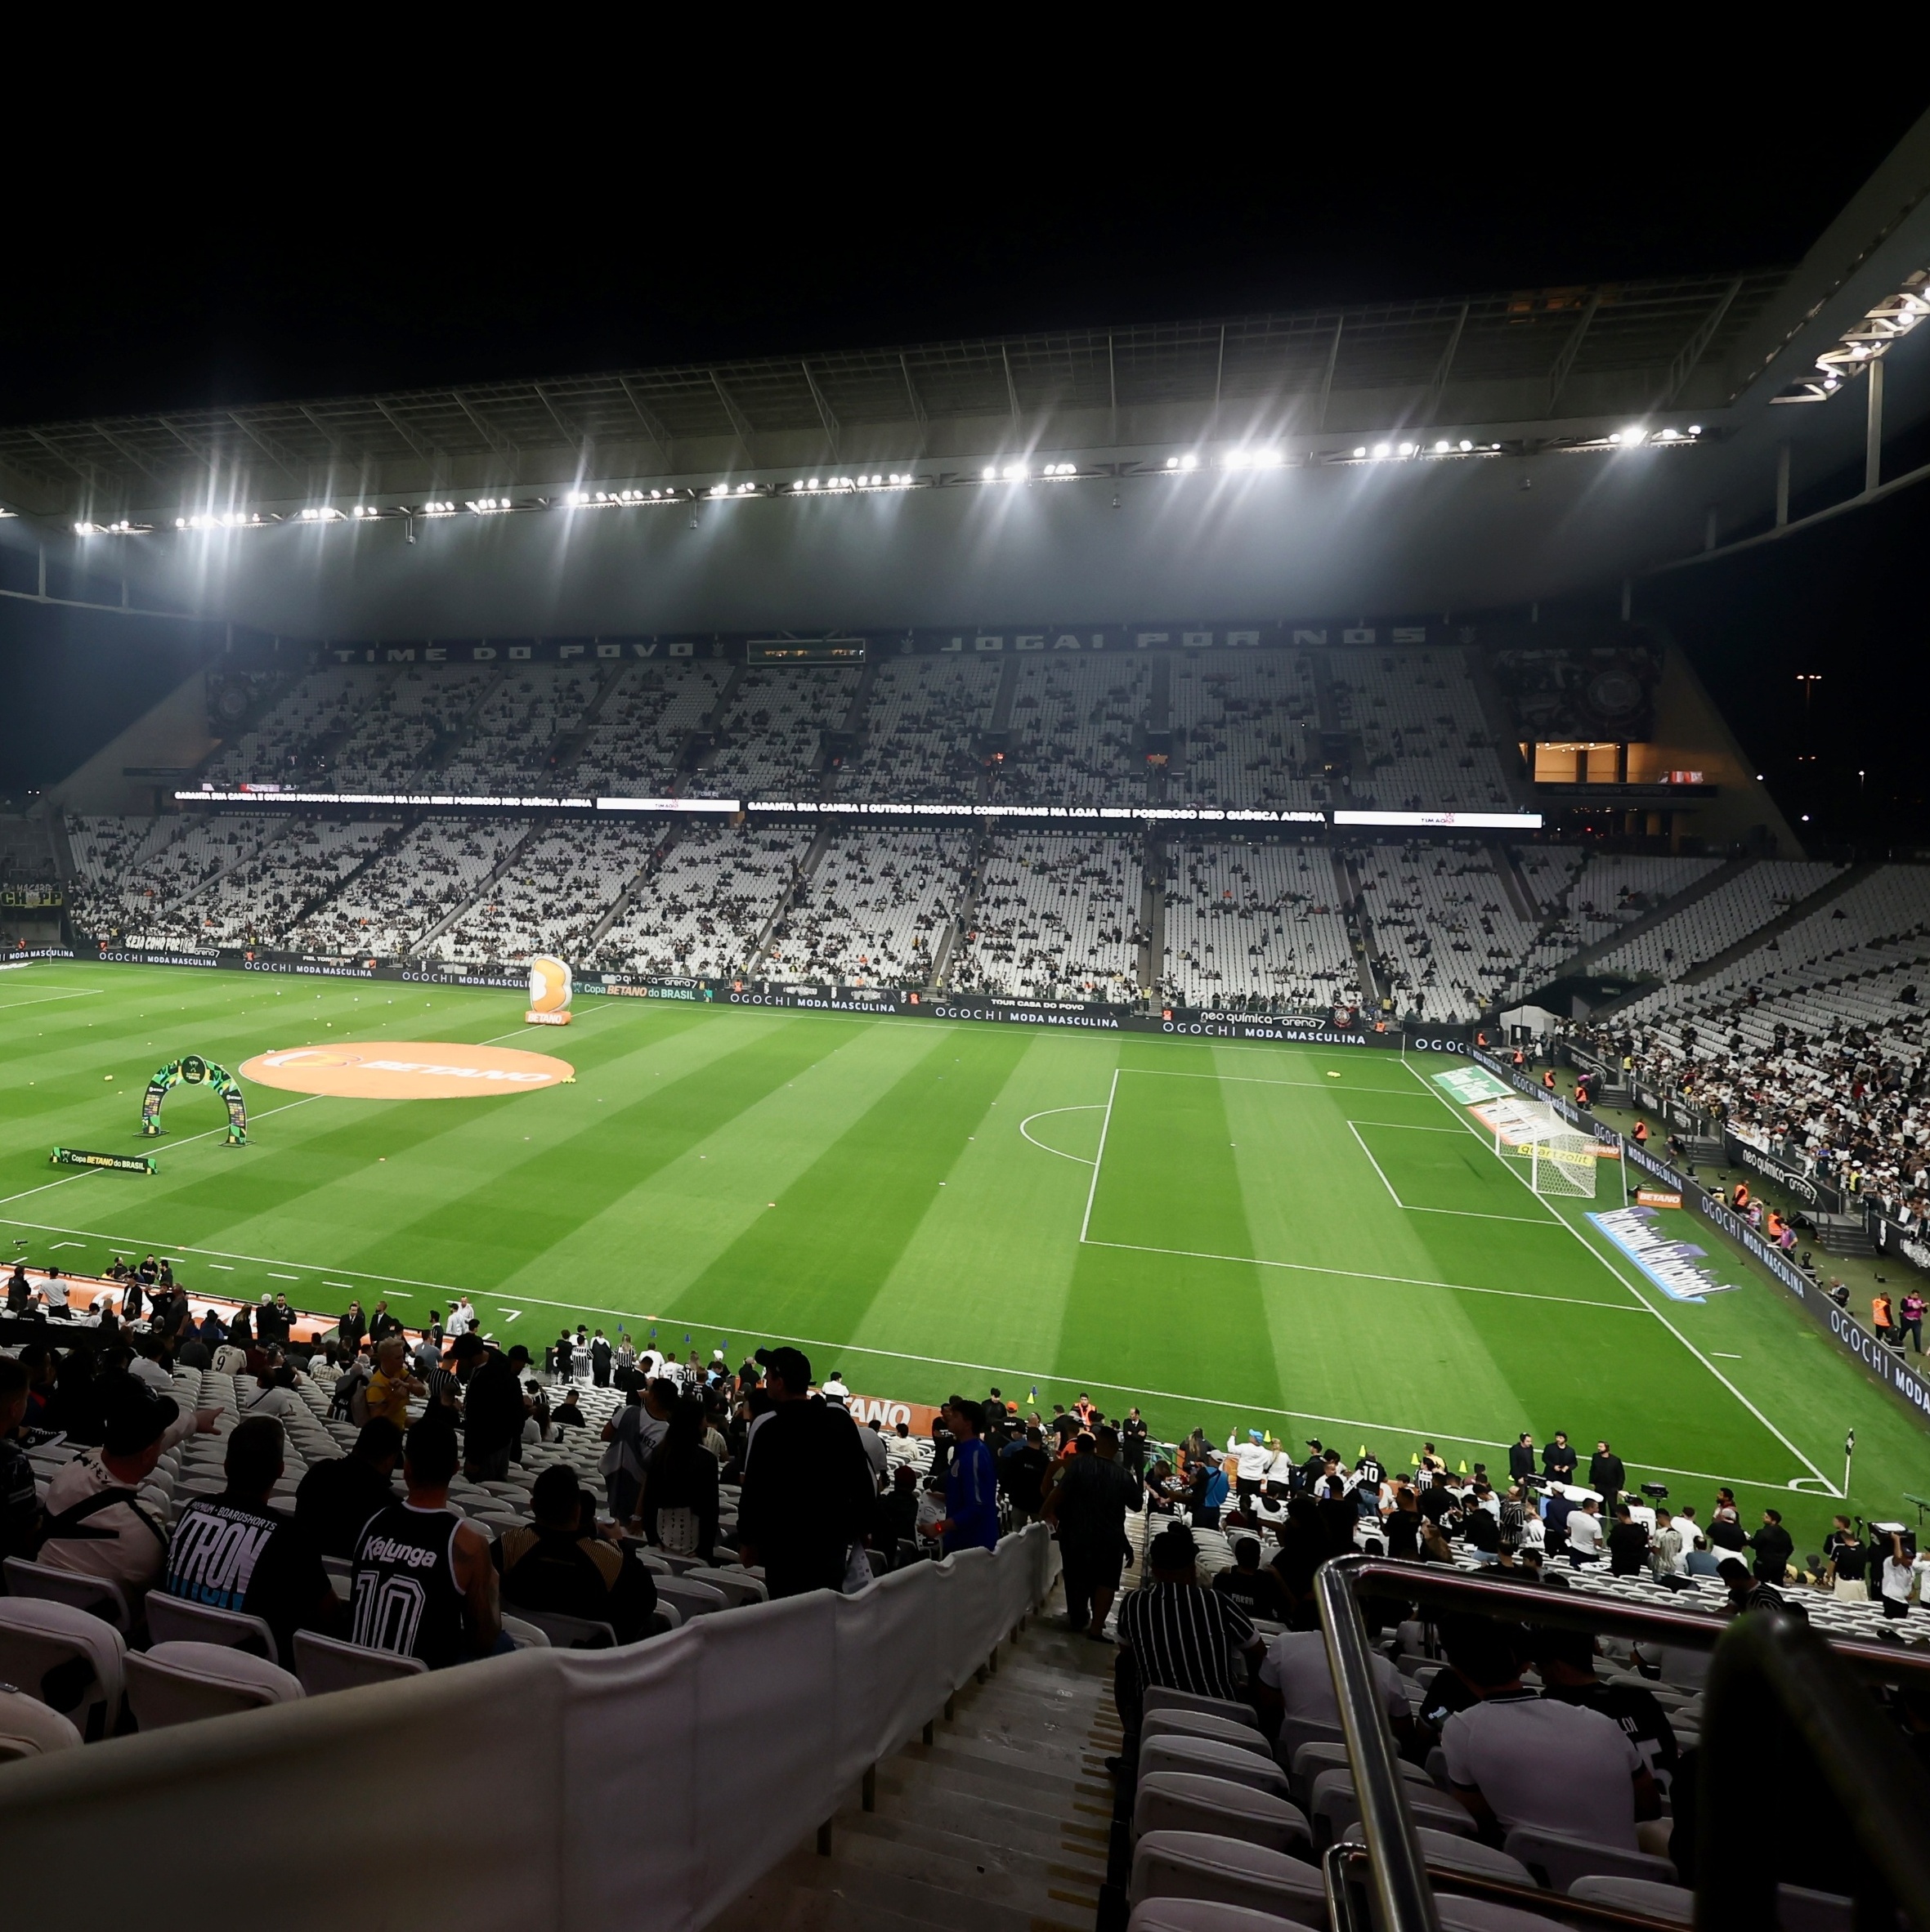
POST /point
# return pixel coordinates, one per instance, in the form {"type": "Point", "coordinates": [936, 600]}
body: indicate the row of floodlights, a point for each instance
{"type": "Point", "coordinates": [1016, 471]}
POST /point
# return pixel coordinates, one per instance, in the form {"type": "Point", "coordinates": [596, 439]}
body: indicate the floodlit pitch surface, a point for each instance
{"type": "Point", "coordinates": [1307, 1239]}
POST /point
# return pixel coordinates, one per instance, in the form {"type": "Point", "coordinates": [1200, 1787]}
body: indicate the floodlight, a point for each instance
{"type": "Point", "coordinates": [813, 484]}
{"type": "Point", "coordinates": [1362, 450]}
{"type": "Point", "coordinates": [1172, 463]}
{"type": "Point", "coordinates": [1631, 437]}
{"type": "Point", "coordinates": [1380, 450]}
{"type": "Point", "coordinates": [1441, 447]}
{"type": "Point", "coordinates": [1189, 462]}
{"type": "Point", "coordinates": [1406, 448]}
{"type": "Point", "coordinates": [1015, 471]}
{"type": "Point", "coordinates": [1694, 429]}
{"type": "Point", "coordinates": [1466, 444]}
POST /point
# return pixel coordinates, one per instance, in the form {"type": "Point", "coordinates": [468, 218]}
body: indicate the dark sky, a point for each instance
{"type": "Point", "coordinates": [254, 282]}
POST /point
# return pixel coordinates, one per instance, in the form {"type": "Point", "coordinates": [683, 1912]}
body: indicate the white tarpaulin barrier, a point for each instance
{"type": "Point", "coordinates": [646, 1787]}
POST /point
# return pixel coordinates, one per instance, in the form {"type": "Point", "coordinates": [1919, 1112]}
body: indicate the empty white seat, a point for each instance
{"type": "Point", "coordinates": [178, 1684]}
{"type": "Point", "coordinates": [174, 1620]}
{"type": "Point", "coordinates": [1334, 1806]}
{"type": "Point", "coordinates": [1201, 1724]}
{"type": "Point", "coordinates": [1457, 1914]}
{"type": "Point", "coordinates": [1198, 1915]}
{"type": "Point", "coordinates": [1638, 1894]}
{"type": "Point", "coordinates": [1311, 1759]}
{"type": "Point", "coordinates": [1228, 1871]}
{"type": "Point", "coordinates": [692, 1599]}
{"type": "Point", "coordinates": [524, 1634]}
{"type": "Point", "coordinates": [1457, 1854]}
{"type": "Point", "coordinates": [74, 1661]}
{"type": "Point", "coordinates": [328, 1664]}
{"type": "Point", "coordinates": [97, 1596]}
{"type": "Point", "coordinates": [29, 1729]}
{"type": "Point", "coordinates": [1558, 1859]}
{"type": "Point", "coordinates": [1186, 1801]}
{"type": "Point", "coordinates": [1158, 1696]}
{"type": "Point", "coordinates": [740, 1586]}
{"type": "Point", "coordinates": [1209, 1758]}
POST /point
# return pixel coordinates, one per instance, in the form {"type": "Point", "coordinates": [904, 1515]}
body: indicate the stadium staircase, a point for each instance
{"type": "Point", "coordinates": [968, 905]}
{"type": "Point", "coordinates": [997, 1821]}
{"type": "Point", "coordinates": [1580, 961]}
{"type": "Point", "coordinates": [537, 829]}
{"type": "Point", "coordinates": [1354, 905]}
{"type": "Point", "coordinates": [621, 904]}
{"type": "Point", "coordinates": [1152, 912]}
{"type": "Point", "coordinates": [58, 843]}
{"type": "Point", "coordinates": [447, 744]}
{"type": "Point", "coordinates": [566, 747]}
{"type": "Point", "coordinates": [1830, 889]}
{"type": "Point", "coordinates": [807, 868]}
{"type": "Point", "coordinates": [336, 888]}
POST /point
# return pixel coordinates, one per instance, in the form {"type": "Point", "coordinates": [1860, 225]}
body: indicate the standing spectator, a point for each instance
{"type": "Point", "coordinates": [1606, 1473]}
{"type": "Point", "coordinates": [392, 1385]}
{"type": "Point", "coordinates": [1893, 1578]}
{"type": "Point", "coordinates": [1847, 1563]}
{"type": "Point", "coordinates": [1585, 1538]}
{"type": "Point", "coordinates": [229, 1553]}
{"type": "Point", "coordinates": [1558, 1458]}
{"type": "Point", "coordinates": [679, 1511]}
{"type": "Point", "coordinates": [1023, 1466]}
{"type": "Point", "coordinates": [271, 1321]}
{"type": "Point", "coordinates": [1134, 1436]}
{"type": "Point", "coordinates": [1208, 1489]}
{"type": "Point", "coordinates": [383, 1324]}
{"type": "Point", "coordinates": [599, 1360]}
{"type": "Point", "coordinates": [353, 1328]}
{"type": "Point", "coordinates": [1627, 1543]}
{"type": "Point", "coordinates": [1724, 1523]}
{"type": "Point", "coordinates": [562, 1358]}
{"type": "Point", "coordinates": [462, 1318]}
{"type": "Point", "coordinates": [971, 1484]}
{"type": "Point", "coordinates": [1774, 1546]}
{"type": "Point", "coordinates": [807, 1493]}
{"type": "Point", "coordinates": [1087, 1507]}
{"type": "Point", "coordinates": [634, 1437]}
{"type": "Point", "coordinates": [425, 1582]}
{"type": "Point", "coordinates": [494, 1406]}
{"type": "Point", "coordinates": [1666, 1548]}
{"type": "Point", "coordinates": [336, 1498]}
{"type": "Point", "coordinates": [1912, 1322]}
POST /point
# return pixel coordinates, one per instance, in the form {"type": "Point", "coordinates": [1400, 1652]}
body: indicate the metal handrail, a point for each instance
{"type": "Point", "coordinates": [1401, 1891]}
{"type": "Point", "coordinates": [1843, 1723]}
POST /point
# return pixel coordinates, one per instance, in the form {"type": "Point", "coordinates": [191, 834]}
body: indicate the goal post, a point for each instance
{"type": "Point", "coordinates": [1556, 1160]}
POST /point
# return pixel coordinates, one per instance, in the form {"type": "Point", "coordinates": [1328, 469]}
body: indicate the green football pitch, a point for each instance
{"type": "Point", "coordinates": [1310, 1240]}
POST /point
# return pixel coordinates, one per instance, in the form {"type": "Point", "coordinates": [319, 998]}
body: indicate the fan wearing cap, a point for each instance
{"type": "Point", "coordinates": [96, 1525]}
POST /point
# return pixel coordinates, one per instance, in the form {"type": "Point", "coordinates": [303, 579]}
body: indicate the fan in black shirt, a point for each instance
{"type": "Point", "coordinates": [1566, 1662]}
{"type": "Point", "coordinates": [1259, 1592]}
{"type": "Point", "coordinates": [335, 1498]}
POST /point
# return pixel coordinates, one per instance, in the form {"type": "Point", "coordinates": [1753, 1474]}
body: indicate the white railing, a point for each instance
{"type": "Point", "coordinates": [646, 1787]}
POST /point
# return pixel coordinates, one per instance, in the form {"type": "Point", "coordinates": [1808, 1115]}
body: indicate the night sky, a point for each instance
{"type": "Point", "coordinates": [253, 282]}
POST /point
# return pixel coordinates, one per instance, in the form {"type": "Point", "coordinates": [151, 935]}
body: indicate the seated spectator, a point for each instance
{"type": "Point", "coordinates": [230, 1554]}
{"type": "Point", "coordinates": [565, 1415]}
{"type": "Point", "coordinates": [895, 1519]}
{"type": "Point", "coordinates": [1297, 1680]}
{"type": "Point", "coordinates": [1566, 1662]}
{"type": "Point", "coordinates": [20, 1501]}
{"type": "Point", "coordinates": [678, 1510]}
{"type": "Point", "coordinates": [1516, 1759]}
{"type": "Point", "coordinates": [1259, 1592]}
{"type": "Point", "coordinates": [425, 1582]}
{"type": "Point", "coordinates": [1174, 1634]}
{"type": "Point", "coordinates": [336, 1498]}
{"type": "Point", "coordinates": [96, 1523]}
{"type": "Point", "coordinates": [1748, 1591]}
{"type": "Point", "coordinates": [562, 1566]}
{"type": "Point", "coordinates": [147, 1366]}
{"type": "Point", "coordinates": [277, 1396]}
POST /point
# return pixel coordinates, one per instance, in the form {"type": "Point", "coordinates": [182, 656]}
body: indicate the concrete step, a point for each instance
{"type": "Point", "coordinates": [1000, 1824]}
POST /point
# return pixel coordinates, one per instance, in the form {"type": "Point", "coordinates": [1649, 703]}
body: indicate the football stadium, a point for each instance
{"type": "Point", "coordinates": [1050, 1129]}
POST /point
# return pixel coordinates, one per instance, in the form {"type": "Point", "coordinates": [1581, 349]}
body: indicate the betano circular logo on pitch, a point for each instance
{"type": "Point", "coordinates": [407, 1069]}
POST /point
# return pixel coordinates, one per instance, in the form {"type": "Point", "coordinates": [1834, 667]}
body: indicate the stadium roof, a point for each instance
{"type": "Point", "coordinates": [1526, 356]}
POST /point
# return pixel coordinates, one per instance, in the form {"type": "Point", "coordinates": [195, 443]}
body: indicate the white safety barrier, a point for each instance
{"type": "Point", "coordinates": [647, 1787]}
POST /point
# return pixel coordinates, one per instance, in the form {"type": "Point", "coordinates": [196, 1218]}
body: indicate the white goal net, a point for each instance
{"type": "Point", "coordinates": [1556, 1159]}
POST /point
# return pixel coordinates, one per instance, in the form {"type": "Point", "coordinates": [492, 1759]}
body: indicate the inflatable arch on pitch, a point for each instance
{"type": "Point", "coordinates": [192, 1070]}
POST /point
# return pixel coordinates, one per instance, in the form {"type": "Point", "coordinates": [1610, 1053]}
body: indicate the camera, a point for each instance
{"type": "Point", "coordinates": [1656, 1493]}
